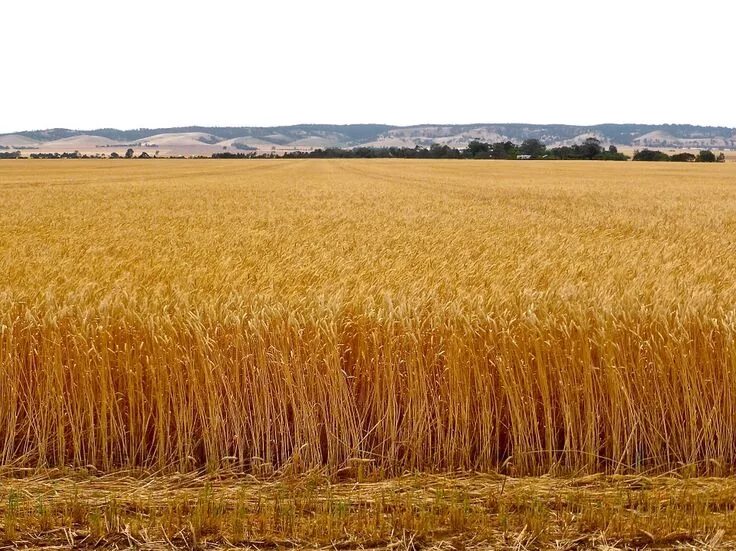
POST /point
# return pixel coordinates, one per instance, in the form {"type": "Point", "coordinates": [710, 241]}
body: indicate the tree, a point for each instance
{"type": "Point", "coordinates": [477, 149]}
{"type": "Point", "coordinates": [721, 158]}
{"type": "Point", "coordinates": [649, 155]}
{"type": "Point", "coordinates": [706, 156]}
{"type": "Point", "coordinates": [114, 155]}
{"type": "Point", "coordinates": [533, 147]}
{"type": "Point", "coordinates": [129, 154]}
{"type": "Point", "coordinates": [683, 158]}
{"type": "Point", "coordinates": [591, 148]}
{"type": "Point", "coordinates": [504, 150]}
{"type": "Point", "coordinates": [437, 151]}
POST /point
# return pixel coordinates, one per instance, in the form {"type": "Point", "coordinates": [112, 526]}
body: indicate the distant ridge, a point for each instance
{"type": "Point", "coordinates": [207, 139]}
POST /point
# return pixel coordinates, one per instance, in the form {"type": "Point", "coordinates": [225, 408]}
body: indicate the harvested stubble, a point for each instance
{"type": "Point", "coordinates": [524, 318]}
{"type": "Point", "coordinates": [481, 512]}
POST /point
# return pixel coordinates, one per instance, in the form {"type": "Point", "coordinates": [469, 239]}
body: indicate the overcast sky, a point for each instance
{"type": "Point", "coordinates": [130, 64]}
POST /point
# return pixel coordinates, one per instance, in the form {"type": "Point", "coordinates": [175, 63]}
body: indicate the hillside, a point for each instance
{"type": "Point", "coordinates": [198, 140]}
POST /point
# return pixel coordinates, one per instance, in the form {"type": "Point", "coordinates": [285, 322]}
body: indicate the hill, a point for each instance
{"type": "Point", "coordinates": [201, 140]}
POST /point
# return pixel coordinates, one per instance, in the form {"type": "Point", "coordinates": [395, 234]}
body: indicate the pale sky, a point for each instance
{"type": "Point", "coordinates": [129, 64]}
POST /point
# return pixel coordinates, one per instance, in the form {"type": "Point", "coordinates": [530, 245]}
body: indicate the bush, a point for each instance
{"type": "Point", "coordinates": [650, 155]}
{"type": "Point", "coordinates": [706, 156]}
{"type": "Point", "coordinates": [683, 158]}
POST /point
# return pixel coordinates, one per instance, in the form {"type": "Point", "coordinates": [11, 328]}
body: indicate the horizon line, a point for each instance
{"type": "Point", "coordinates": [79, 129]}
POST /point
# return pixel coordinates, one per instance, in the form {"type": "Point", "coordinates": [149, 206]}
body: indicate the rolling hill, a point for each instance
{"type": "Point", "coordinates": [199, 140]}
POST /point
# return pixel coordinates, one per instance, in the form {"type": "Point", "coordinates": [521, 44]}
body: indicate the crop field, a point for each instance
{"type": "Point", "coordinates": [367, 353]}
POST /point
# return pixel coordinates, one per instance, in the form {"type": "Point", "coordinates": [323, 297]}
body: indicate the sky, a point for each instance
{"type": "Point", "coordinates": [143, 64]}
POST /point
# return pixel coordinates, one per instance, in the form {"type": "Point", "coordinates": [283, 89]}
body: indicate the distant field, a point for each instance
{"type": "Point", "coordinates": [363, 319]}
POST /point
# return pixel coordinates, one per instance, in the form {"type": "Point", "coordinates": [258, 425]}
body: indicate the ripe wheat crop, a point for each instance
{"type": "Point", "coordinates": [519, 317]}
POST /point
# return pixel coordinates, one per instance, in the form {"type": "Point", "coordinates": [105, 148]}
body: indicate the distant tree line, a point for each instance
{"type": "Point", "coordinates": [703, 156]}
{"type": "Point", "coordinates": [129, 154]}
{"type": "Point", "coordinates": [65, 155]}
{"type": "Point", "coordinates": [590, 149]}
{"type": "Point", "coordinates": [228, 155]}
{"type": "Point", "coordinates": [476, 149]}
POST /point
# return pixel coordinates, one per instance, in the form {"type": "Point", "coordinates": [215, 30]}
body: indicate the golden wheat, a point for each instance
{"type": "Point", "coordinates": [522, 317]}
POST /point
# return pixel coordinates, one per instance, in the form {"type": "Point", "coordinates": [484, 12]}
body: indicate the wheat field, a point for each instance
{"type": "Point", "coordinates": [282, 316]}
